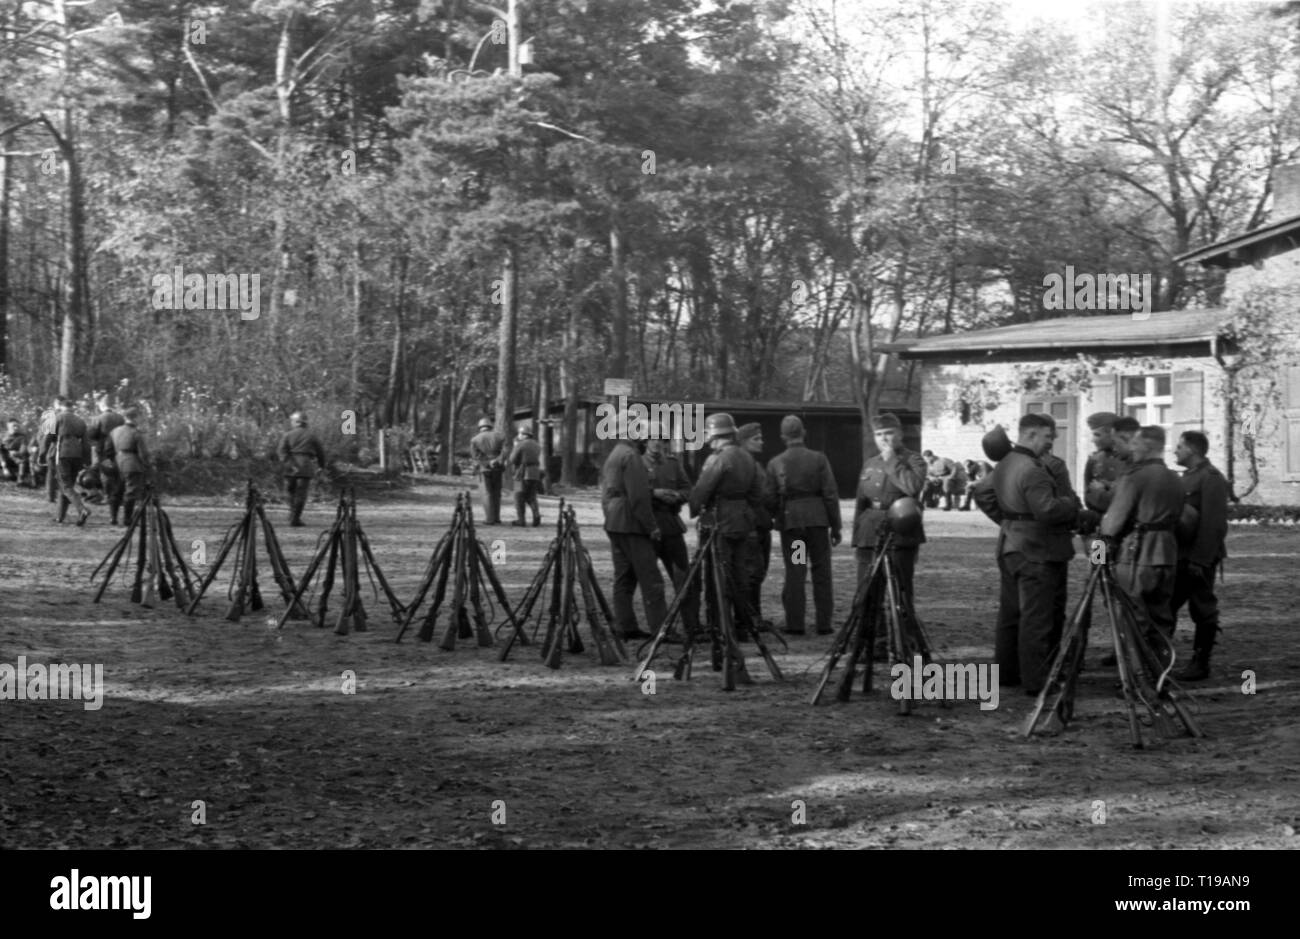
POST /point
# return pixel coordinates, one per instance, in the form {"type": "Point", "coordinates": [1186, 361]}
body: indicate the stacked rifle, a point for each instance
{"type": "Point", "coordinates": [160, 569]}
{"type": "Point", "coordinates": [241, 539]}
{"type": "Point", "coordinates": [344, 551]}
{"type": "Point", "coordinates": [567, 572]}
{"type": "Point", "coordinates": [1143, 675]}
{"type": "Point", "coordinates": [461, 559]}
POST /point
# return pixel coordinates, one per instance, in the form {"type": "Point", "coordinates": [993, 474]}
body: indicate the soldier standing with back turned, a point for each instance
{"type": "Point", "coordinates": [99, 433]}
{"type": "Point", "coordinates": [302, 455]}
{"type": "Point", "coordinates": [488, 450]}
{"type": "Point", "coordinates": [526, 459]}
{"type": "Point", "coordinates": [132, 460]}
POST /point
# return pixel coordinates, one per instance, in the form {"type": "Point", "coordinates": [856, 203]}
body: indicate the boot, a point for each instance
{"type": "Point", "coordinates": [1198, 669]}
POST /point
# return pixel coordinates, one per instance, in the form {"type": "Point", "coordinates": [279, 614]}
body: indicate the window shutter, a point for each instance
{"type": "Point", "coordinates": [1189, 394]}
{"type": "Point", "coordinates": [1105, 392]}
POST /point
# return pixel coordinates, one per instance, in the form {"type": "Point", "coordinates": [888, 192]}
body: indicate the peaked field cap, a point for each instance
{"type": "Point", "coordinates": [791, 426]}
{"type": "Point", "coordinates": [886, 422]}
{"type": "Point", "coordinates": [1102, 419]}
{"type": "Point", "coordinates": [749, 431]}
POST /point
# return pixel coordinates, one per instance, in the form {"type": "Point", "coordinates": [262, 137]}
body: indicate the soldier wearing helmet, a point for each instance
{"type": "Point", "coordinates": [302, 456]}
{"type": "Point", "coordinates": [526, 461]}
{"type": "Point", "coordinates": [729, 489]}
{"type": "Point", "coordinates": [802, 485]}
{"type": "Point", "coordinates": [488, 450]}
{"type": "Point", "coordinates": [626, 496]}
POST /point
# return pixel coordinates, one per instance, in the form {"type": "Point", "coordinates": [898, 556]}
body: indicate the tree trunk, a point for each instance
{"type": "Point", "coordinates": [507, 338]}
{"type": "Point", "coordinates": [618, 305]}
{"type": "Point", "coordinates": [6, 171]}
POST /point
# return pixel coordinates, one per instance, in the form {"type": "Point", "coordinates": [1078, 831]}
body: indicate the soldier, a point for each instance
{"type": "Point", "coordinates": [1033, 553]}
{"type": "Point", "coordinates": [1139, 529]}
{"type": "Point", "coordinates": [947, 478]}
{"type": "Point", "coordinates": [1107, 464]}
{"type": "Point", "coordinates": [99, 433]}
{"type": "Point", "coordinates": [625, 497]}
{"type": "Point", "coordinates": [302, 455]}
{"type": "Point", "coordinates": [758, 548]}
{"type": "Point", "coordinates": [975, 471]}
{"type": "Point", "coordinates": [64, 451]}
{"type": "Point", "coordinates": [670, 488]}
{"type": "Point", "coordinates": [131, 457]}
{"type": "Point", "coordinates": [15, 455]}
{"type": "Point", "coordinates": [41, 454]}
{"type": "Point", "coordinates": [892, 474]}
{"type": "Point", "coordinates": [487, 448]}
{"type": "Point", "coordinates": [1200, 547]}
{"type": "Point", "coordinates": [801, 485]}
{"type": "Point", "coordinates": [526, 458]}
{"type": "Point", "coordinates": [730, 487]}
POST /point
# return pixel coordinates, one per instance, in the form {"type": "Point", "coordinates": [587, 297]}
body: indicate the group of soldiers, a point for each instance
{"type": "Point", "coordinates": [951, 481]}
{"type": "Point", "coordinates": [1164, 534]}
{"type": "Point", "coordinates": [524, 458]}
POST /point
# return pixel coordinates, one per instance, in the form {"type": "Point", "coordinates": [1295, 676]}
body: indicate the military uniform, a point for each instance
{"type": "Point", "coordinates": [625, 497]}
{"type": "Point", "coordinates": [1100, 474]}
{"type": "Point", "coordinates": [526, 460]}
{"type": "Point", "coordinates": [1206, 490]}
{"type": "Point", "coordinates": [99, 434]}
{"type": "Point", "coordinates": [302, 455]}
{"type": "Point", "coordinates": [132, 459]}
{"type": "Point", "coordinates": [65, 452]}
{"type": "Point", "coordinates": [758, 545]}
{"type": "Point", "coordinates": [1146, 504]}
{"type": "Point", "coordinates": [670, 488]}
{"type": "Point", "coordinates": [975, 471]}
{"type": "Point", "coordinates": [1034, 550]}
{"type": "Point", "coordinates": [947, 478]}
{"type": "Point", "coordinates": [803, 487]}
{"type": "Point", "coordinates": [44, 454]}
{"type": "Point", "coordinates": [16, 457]}
{"type": "Point", "coordinates": [487, 448]}
{"type": "Point", "coordinates": [729, 484]}
{"type": "Point", "coordinates": [879, 486]}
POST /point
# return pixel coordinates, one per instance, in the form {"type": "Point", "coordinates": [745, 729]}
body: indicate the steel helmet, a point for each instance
{"type": "Point", "coordinates": [905, 516]}
{"type": "Point", "coordinates": [996, 443]}
{"type": "Point", "coordinates": [526, 428]}
{"type": "Point", "coordinates": [297, 417]}
{"type": "Point", "coordinates": [485, 423]}
{"type": "Point", "coordinates": [719, 425]}
{"type": "Point", "coordinates": [1188, 521]}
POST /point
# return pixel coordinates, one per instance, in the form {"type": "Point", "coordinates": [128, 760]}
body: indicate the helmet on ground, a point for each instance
{"type": "Point", "coordinates": [719, 425]}
{"type": "Point", "coordinates": [996, 443]}
{"type": "Point", "coordinates": [297, 417]}
{"type": "Point", "coordinates": [485, 423]}
{"type": "Point", "coordinates": [905, 516]}
{"type": "Point", "coordinates": [1188, 521]}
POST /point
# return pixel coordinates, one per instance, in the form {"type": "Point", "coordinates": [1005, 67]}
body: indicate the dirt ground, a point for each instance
{"type": "Point", "coordinates": [252, 721]}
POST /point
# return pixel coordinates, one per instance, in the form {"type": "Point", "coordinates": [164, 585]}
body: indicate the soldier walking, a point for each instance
{"type": "Point", "coordinates": [488, 450]}
{"type": "Point", "coordinates": [64, 450]}
{"type": "Point", "coordinates": [758, 546]}
{"type": "Point", "coordinates": [670, 489]}
{"type": "Point", "coordinates": [1033, 553]}
{"type": "Point", "coordinates": [302, 456]}
{"type": "Point", "coordinates": [729, 489]}
{"type": "Point", "coordinates": [1201, 547]}
{"type": "Point", "coordinates": [131, 458]}
{"type": "Point", "coordinates": [99, 434]}
{"type": "Point", "coordinates": [1139, 528]}
{"type": "Point", "coordinates": [626, 498]}
{"type": "Point", "coordinates": [802, 486]}
{"type": "Point", "coordinates": [526, 459]}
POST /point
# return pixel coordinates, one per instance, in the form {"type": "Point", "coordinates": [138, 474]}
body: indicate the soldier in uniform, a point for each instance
{"type": "Point", "coordinates": [975, 471]}
{"type": "Point", "coordinates": [1201, 548]}
{"type": "Point", "coordinates": [64, 450]}
{"type": "Point", "coordinates": [729, 486]}
{"type": "Point", "coordinates": [42, 453]}
{"type": "Point", "coordinates": [946, 478]}
{"type": "Point", "coordinates": [302, 455]}
{"type": "Point", "coordinates": [1106, 465]}
{"type": "Point", "coordinates": [15, 455]}
{"type": "Point", "coordinates": [1139, 528]}
{"type": "Point", "coordinates": [758, 547]}
{"type": "Point", "coordinates": [487, 448]}
{"type": "Point", "coordinates": [131, 457]}
{"type": "Point", "coordinates": [1033, 552]}
{"type": "Point", "coordinates": [670, 488]}
{"type": "Point", "coordinates": [99, 432]}
{"type": "Point", "coordinates": [894, 473]}
{"type": "Point", "coordinates": [802, 486]}
{"type": "Point", "coordinates": [630, 524]}
{"type": "Point", "coordinates": [526, 459]}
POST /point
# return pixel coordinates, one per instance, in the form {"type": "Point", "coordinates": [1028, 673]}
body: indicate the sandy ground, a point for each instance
{"type": "Point", "coordinates": [455, 749]}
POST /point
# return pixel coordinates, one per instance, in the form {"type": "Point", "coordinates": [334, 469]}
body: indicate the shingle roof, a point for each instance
{"type": "Point", "coordinates": [1073, 333]}
{"type": "Point", "coordinates": [1252, 246]}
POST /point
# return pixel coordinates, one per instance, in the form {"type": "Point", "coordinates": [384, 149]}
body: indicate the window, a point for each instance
{"type": "Point", "coordinates": [1149, 399]}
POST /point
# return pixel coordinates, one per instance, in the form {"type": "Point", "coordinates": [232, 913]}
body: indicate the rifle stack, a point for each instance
{"type": "Point", "coordinates": [459, 557]}
{"type": "Point", "coordinates": [160, 569]}
{"type": "Point", "coordinates": [345, 549]}
{"type": "Point", "coordinates": [567, 571]}
{"type": "Point", "coordinates": [241, 538]}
